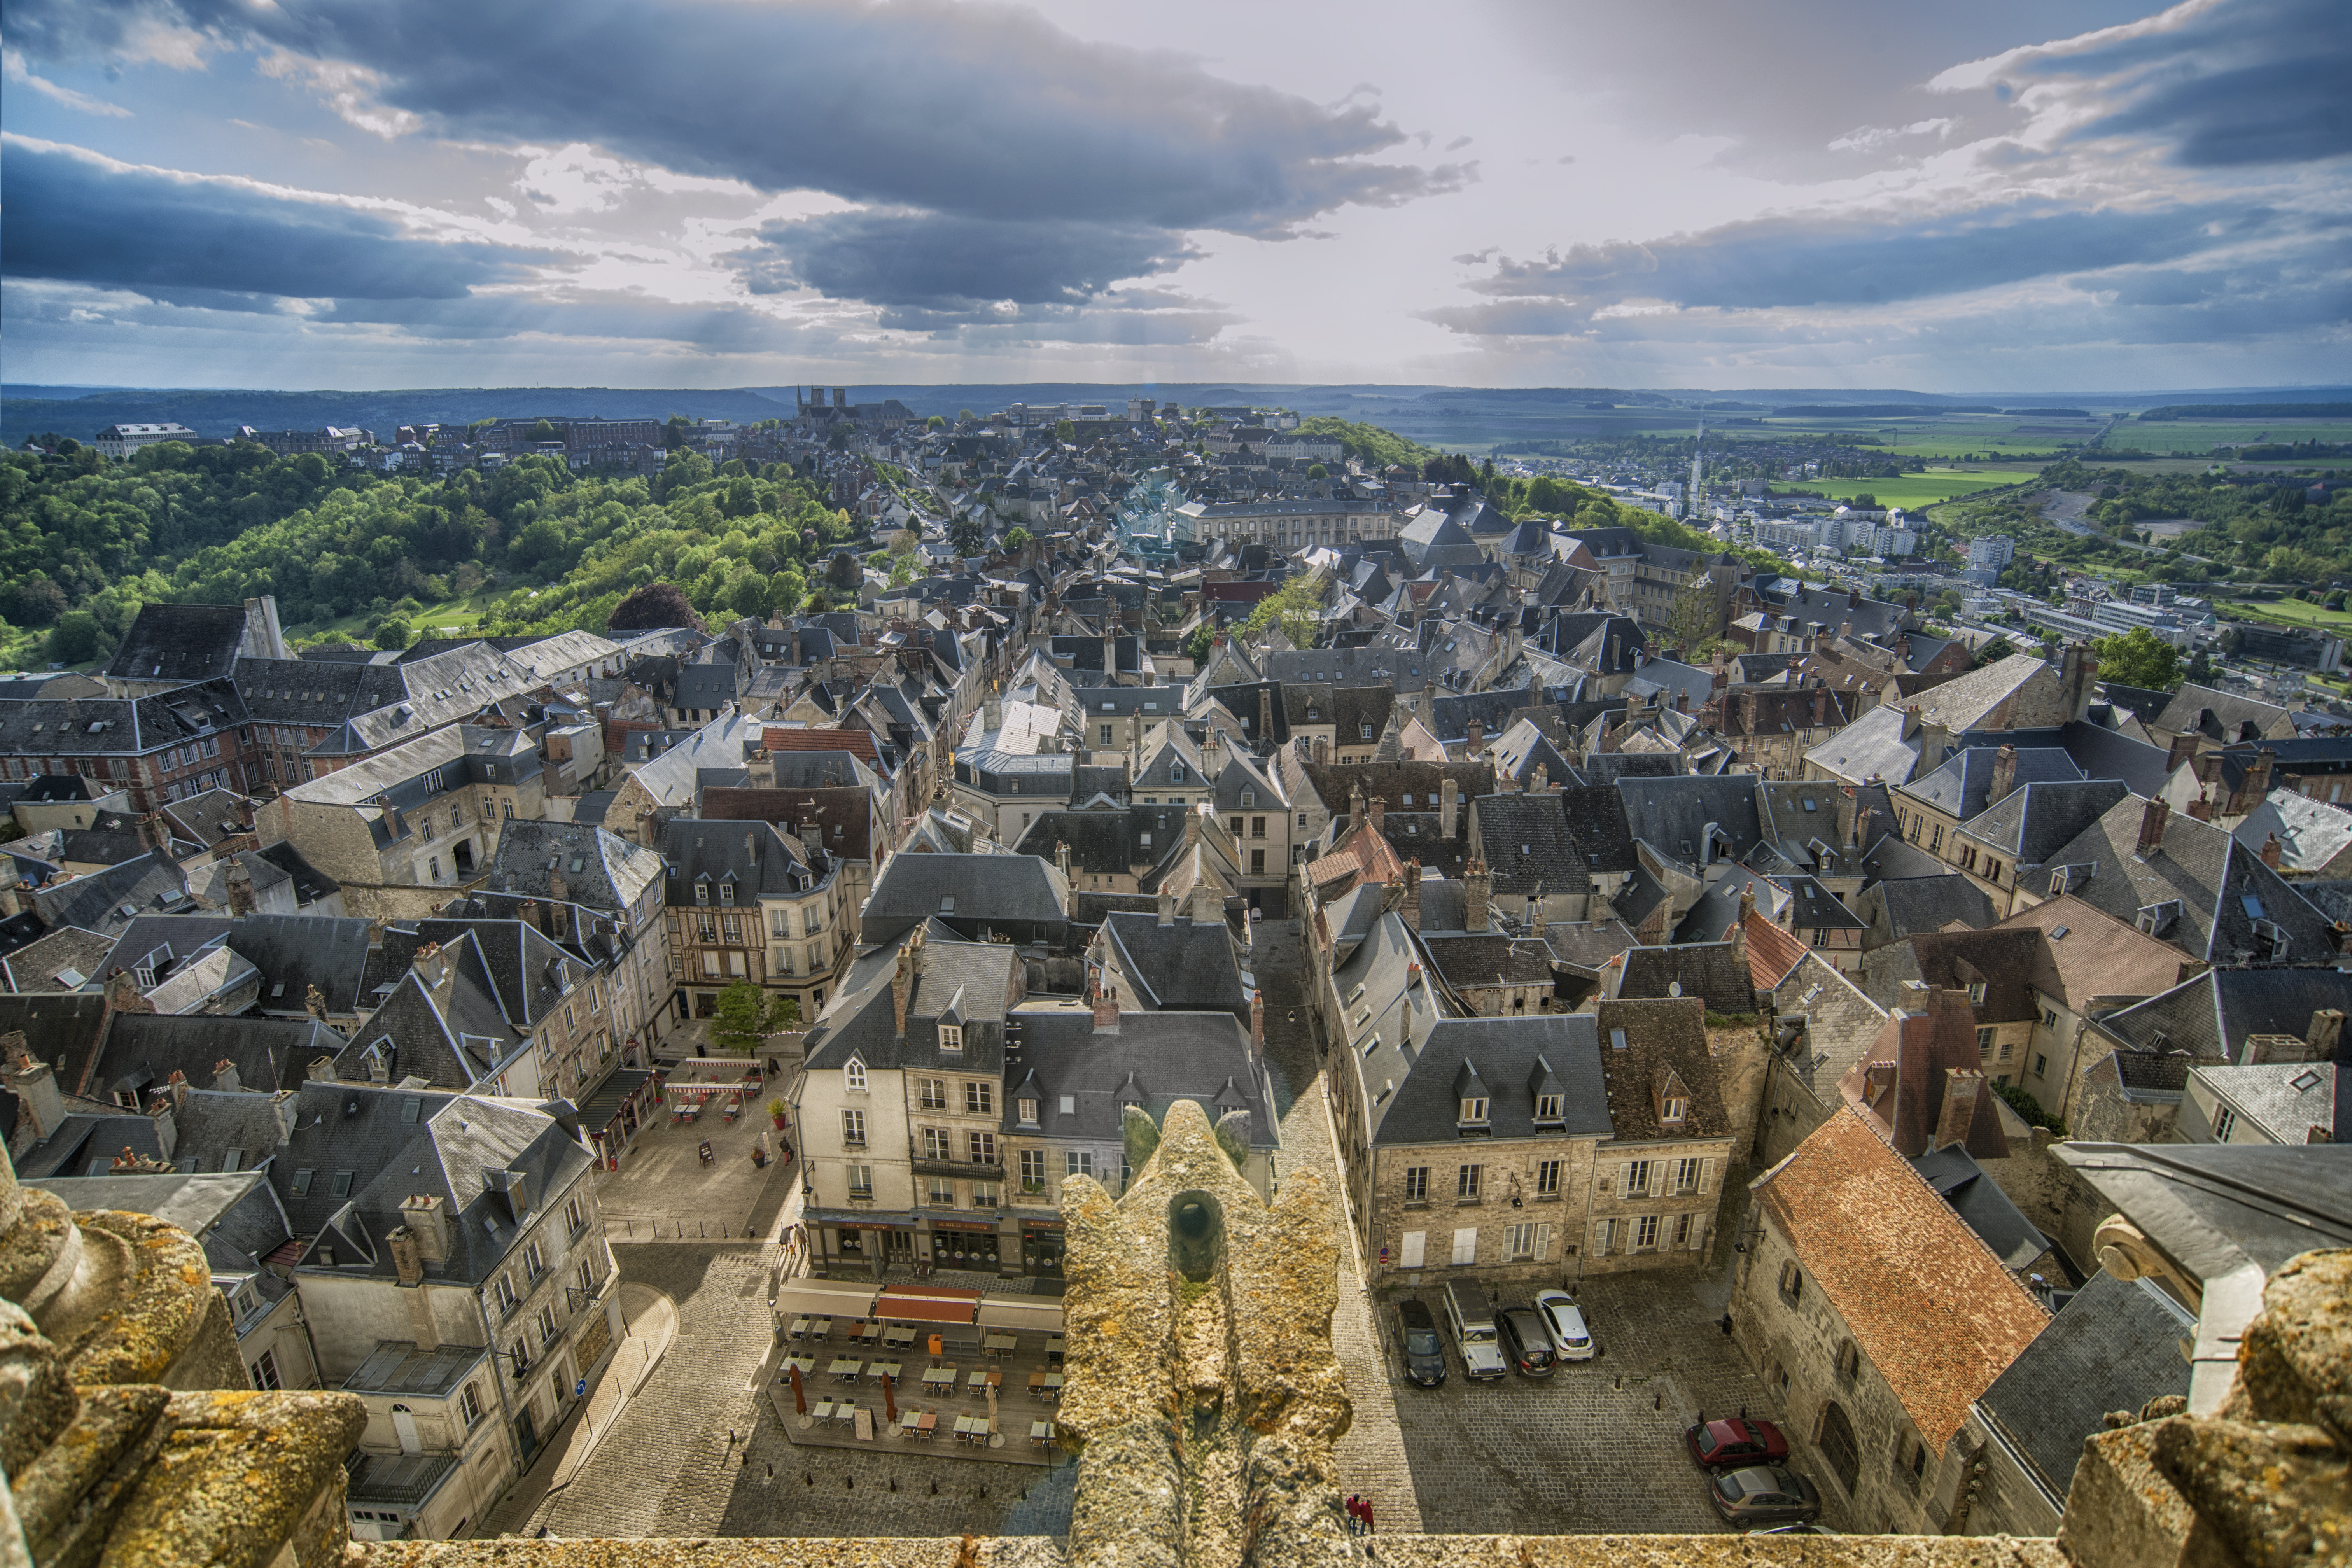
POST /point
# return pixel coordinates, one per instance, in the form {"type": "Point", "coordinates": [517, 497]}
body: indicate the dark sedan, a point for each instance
{"type": "Point", "coordinates": [1424, 1356]}
{"type": "Point", "coordinates": [1526, 1341]}
{"type": "Point", "coordinates": [1721, 1445]}
{"type": "Point", "coordinates": [1764, 1494]}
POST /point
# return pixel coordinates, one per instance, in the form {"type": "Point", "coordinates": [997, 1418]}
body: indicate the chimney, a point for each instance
{"type": "Point", "coordinates": [560, 891]}
{"type": "Point", "coordinates": [35, 1082]}
{"type": "Point", "coordinates": [407, 1266]}
{"type": "Point", "coordinates": [224, 1076]}
{"type": "Point", "coordinates": [1062, 858]}
{"type": "Point", "coordinates": [2078, 667]}
{"type": "Point", "coordinates": [1961, 1087]}
{"type": "Point", "coordinates": [1167, 905]}
{"type": "Point", "coordinates": [901, 984]}
{"type": "Point", "coordinates": [1477, 887]}
{"type": "Point", "coordinates": [2326, 1032]}
{"type": "Point", "coordinates": [2151, 827]}
{"type": "Point", "coordinates": [1740, 940]}
{"type": "Point", "coordinates": [2271, 851]}
{"type": "Point", "coordinates": [425, 1217]}
{"type": "Point", "coordinates": [1536, 924]}
{"type": "Point", "coordinates": [1265, 716]}
{"type": "Point", "coordinates": [1449, 803]}
{"type": "Point", "coordinates": [1379, 811]}
{"type": "Point", "coordinates": [991, 714]}
{"type": "Point", "coordinates": [1257, 1024]}
{"type": "Point", "coordinates": [238, 880]}
{"type": "Point", "coordinates": [1111, 658]}
{"type": "Point", "coordinates": [1411, 908]}
{"type": "Point", "coordinates": [796, 645]}
{"type": "Point", "coordinates": [263, 637]}
{"type": "Point", "coordinates": [1192, 827]}
{"type": "Point", "coordinates": [432, 967]}
{"type": "Point", "coordinates": [2257, 787]}
{"type": "Point", "coordinates": [2004, 775]}
{"type": "Point", "coordinates": [2182, 748]}
{"type": "Point", "coordinates": [1105, 1009]}
{"type": "Point", "coordinates": [177, 1085]}
{"type": "Point", "coordinates": [1355, 805]}
{"type": "Point", "coordinates": [1541, 779]}
{"type": "Point", "coordinates": [1477, 738]}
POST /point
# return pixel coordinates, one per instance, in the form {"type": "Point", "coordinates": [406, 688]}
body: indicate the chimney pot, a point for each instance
{"type": "Point", "coordinates": [2151, 826]}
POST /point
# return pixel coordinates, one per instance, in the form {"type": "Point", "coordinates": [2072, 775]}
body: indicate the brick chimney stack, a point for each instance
{"type": "Point", "coordinates": [224, 1076]}
{"type": "Point", "coordinates": [2271, 851]}
{"type": "Point", "coordinates": [1411, 908]}
{"type": "Point", "coordinates": [408, 1267]}
{"type": "Point", "coordinates": [1105, 1009]}
{"type": "Point", "coordinates": [1478, 888]}
{"type": "Point", "coordinates": [1379, 811]}
{"type": "Point", "coordinates": [2151, 827]}
{"type": "Point", "coordinates": [1961, 1087]}
{"type": "Point", "coordinates": [1355, 806]}
{"type": "Point", "coordinates": [2004, 775]}
{"type": "Point", "coordinates": [1449, 808]}
{"type": "Point", "coordinates": [1478, 741]}
{"type": "Point", "coordinates": [902, 985]}
{"type": "Point", "coordinates": [2324, 1035]}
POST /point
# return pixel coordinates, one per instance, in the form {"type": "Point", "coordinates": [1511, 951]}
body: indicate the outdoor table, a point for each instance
{"type": "Point", "coordinates": [898, 1337]}
{"type": "Point", "coordinates": [972, 1428]}
{"type": "Point", "coordinates": [991, 1377]}
{"type": "Point", "coordinates": [882, 1369]}
{"type": "Point", "coordinates": [1036, 1382]}
{"type": "Point", "coordinates": [1041, 1433]}
{"type": "Point", "coordinates": [1053, 1349]}
{"type": "Point", "coordinates": [910, 1420]}
{"type": "Point", "coordinates": [866, 1333]}
{"type": "Point", "coordinates": [1053, 1386]}
{"type": "Point", "coordinates": [805, 1365]}
{"type": "Point", "coordinates": [823, 1411]}
{"type": "Point", "coordinates": [929, 1426]}
{"type": "Point", "coordinates": [845, 1368]}
{"type": "Point", "coordinates": [939, 1377]}
{"type": "Point", "coordinates": [846, 1412]}
{"type": "Point", "coordinates": [800, 1327]}
{"type": "Point", "coordinates": [820, 1328]}
{"type": "Point", "coordinates": [1001, 1344]}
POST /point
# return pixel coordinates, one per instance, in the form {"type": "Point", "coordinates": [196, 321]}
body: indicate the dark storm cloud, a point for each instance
{"type": "Point", "coordinates": [1865, 260]}
{"type": "Point", "coordinates": [943, 262]}
{"type": "Point", "coordinates": [79, 218]}
{"type": "Point", "coordinates": [973, 109]}
{"type": "Point", "coordinates": [2246, 82]}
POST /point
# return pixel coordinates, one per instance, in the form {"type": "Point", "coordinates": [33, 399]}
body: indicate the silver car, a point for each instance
{"type": "Point", "coordinates": [1570, 1340]}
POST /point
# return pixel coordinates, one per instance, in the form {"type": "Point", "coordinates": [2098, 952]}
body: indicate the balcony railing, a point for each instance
{"type": "Point", "coordinates": [949, 1163]}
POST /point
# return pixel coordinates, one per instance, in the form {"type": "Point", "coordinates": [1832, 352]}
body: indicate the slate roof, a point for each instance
{"type": "Point", "coordinates": [999, 887]}
{"type": "Point", "coordinates": [1933, 1311]}
{"type": "Point", "coordinates": [1185, 965]}
{"type": "Point", "coordinates": [1916, 904]}
{"type": "Point", "coordinates": [1660, 1037]}
{"type": "Point", "coordinates": [142, 1050]}
{"type": "Point", "coordinates": [1530, 847]}
{"type": "Point", "coordinates": [1714, 972]}
{"type": "Point", "coordinates": [2114, 1346]}
{"type": "Point", "coordinates": [53, 961]}
{"type": "Point", "coordinates": [2216, 1013]}
{"type": "Point", "coordinates": [2221, 716]}
{"type": "Point", "coordinates": [107, 900]}
{"type": "Point", "coordinates": [2000, 1223]}
{"type": "Point", "coordinates": [977, 980]}
{"type": "Point", "coordinates": [600, 869]}
{"type": "Point", "coordinates": [1672, 817]}
{"type": "Point", "coordinates": [1962, 787]}
{"type": "Point", "coordinates": [179, 643]}
{"type": "Point", "coordinates": [1426, 1105]}
{"type": "Point", "coordinates": [1154, 1059]}
{"type": "Point", "coordinates": [1598, 821]}
{"type": "Point", "coordinates": [2288, 1100]}
{"type": "Point", "coordinates": [2038, 819]}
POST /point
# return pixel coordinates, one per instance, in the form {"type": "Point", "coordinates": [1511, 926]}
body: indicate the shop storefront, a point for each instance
{"type": "Point", "coordinates": [957, 1243]}
{"type": "Point", "coordinates": [1041, 1248]}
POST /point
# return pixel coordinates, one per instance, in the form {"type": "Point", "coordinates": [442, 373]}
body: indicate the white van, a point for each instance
{"type": "Point", "coordinates": [1473, 1322]}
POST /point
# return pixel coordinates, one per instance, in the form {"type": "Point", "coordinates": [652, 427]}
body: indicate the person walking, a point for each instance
{"type": "Point", "coordinates": [1364, 1512]}
{"type": "Point", "coordinates": [1355, 1519]}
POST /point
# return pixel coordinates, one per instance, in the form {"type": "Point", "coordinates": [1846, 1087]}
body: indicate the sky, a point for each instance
{"type": "Point", "coordinates": [1999, 195]}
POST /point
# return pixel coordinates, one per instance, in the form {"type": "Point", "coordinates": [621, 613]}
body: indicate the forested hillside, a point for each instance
{"type": "Point", "coordinates": [83, 542]}
{"type": "Point", "coordinates": [2261, 524]}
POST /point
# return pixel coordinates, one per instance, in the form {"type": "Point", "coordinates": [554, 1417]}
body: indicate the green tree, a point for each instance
{"type": "Point", "coordinates": [2199, 669]}
{"type": "Point", "coordinates": [1297, 607]}
{"type": "Point", "coordinates": [2139, 658]}
{"type": "Point", "coordinates": [1197, 645]}
{"type": "Point", "coordinates": [393, 632]}
{"type": "Point", "coordinates": [1065, 431]}
{"type": "Point", "coordinates": [1863, 502]}
{"type": "Point", "coordinates": [1692, 621]}
{"type": "Point", "coordinates": [1016, 536]}
{"type": "Point", "coordinates": [544, 431]}
{"type": "Point", "coordinates": [745, 1016]}
{"type": "Point", "coordinates": [963, 416]}
{"type": "Point", "coordinates": [74, 638]}
{"type": "Point", "coordinates": [936, 422]}
{"type": "Point", "coordinates": [1317, 472]}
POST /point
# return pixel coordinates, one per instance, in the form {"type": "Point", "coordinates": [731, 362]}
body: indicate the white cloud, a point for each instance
{"type": "Point", "coordinates": [13, 66]}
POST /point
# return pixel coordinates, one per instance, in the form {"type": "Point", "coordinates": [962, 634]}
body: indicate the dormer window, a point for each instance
{"type": "Point", "coordinates": [853, 1076]}
{"type": "Point", "coordinates": [1977, 992]}
{"type": "Point", "coordinates": [1028, 1108]}
{"type": "Point", "coordinates": [1249, 797]}
{"type": "Point", "coordinates": [702, 892]}
{"type": "Point", "coordinates": [1175, 773]}
{"type": "Point", "coordinates": [726, 892]}
{"type": "Point", "coordinates": [951, 1037]}
{"type": "Point", "coordinates": [1473, 1111]}
{"type": "Point", "coordinates": [1673, 1112]}
{"type": "Point", "coordinates": [1550, 1108]}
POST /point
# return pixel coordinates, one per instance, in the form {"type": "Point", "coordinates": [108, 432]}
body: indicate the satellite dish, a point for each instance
{"type": "Point", "coordinates": [1674, 987]}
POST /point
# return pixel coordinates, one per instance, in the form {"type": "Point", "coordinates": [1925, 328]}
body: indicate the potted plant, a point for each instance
{"type": "Point", "coordinates": [776, 1110]}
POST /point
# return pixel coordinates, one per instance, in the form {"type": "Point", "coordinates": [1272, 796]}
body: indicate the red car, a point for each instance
{"type": "Point", "coordinates": [1721, 1444]}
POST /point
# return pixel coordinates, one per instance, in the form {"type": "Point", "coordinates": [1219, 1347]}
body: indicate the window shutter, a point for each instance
{"type": "Point", "coordinates": [1699, 1232]}
{"type": "Point", "coordinates": [1543, 1241]}
{"type": "Point", "coordinates": [1705, 1177]}
{"type": "Point", "coordinates": [1411, 1249]}
{"type": "Point", "coordinates": [1465, 1244]}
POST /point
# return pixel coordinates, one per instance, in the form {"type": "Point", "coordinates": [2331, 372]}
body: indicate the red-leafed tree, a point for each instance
{"type": "Point", "coordinates": [654, 607]}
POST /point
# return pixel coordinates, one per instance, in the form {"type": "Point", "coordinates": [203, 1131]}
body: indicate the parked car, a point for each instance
{"type": "Point", "coordinates": [1764, 1494]}
{"type": "Point", "coordinates": [1571, 1339]}
{"type": "Point", "coordinates": [1424, 1354]}
{"type": "Point", "coordinates": [1526, 1340]}
{"type": "Point", "coordinates": [1473, 1322]}
{"type": "Point", "coordinates": [1722, 1444]}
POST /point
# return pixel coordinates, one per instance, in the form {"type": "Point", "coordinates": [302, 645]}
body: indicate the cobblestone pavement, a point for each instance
{"type": "Point", "coordinates": [1369, 1458]}
{"type": "Point", "coordinates": [663, 1190]}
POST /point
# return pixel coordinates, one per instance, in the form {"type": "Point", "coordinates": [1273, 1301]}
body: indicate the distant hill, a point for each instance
{"type": "Point", "coordinates": [218, 412]}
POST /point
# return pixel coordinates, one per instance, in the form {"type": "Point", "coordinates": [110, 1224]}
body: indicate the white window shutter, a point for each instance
{"type": "Point", "coordinates": [1411, 1249]}
{"type": "Point", "coordinates": [1543, 1241]}
{"type": "Point", "coordinates": [1705, 1177]}
{"type": "Point", "coordinates": [1699, 1232]}
{"type": "Point", "coordinates": [1466, 1246]}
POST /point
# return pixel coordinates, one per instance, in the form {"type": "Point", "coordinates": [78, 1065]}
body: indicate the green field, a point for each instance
{"type": "Point", "coordinates": [2203, 434]}
{"type": "Point", "coordinates": [2292, 613]}
{"type": "Point", "coordinates": [442, 619]}
{"type": "Point", "coordinates": [1951, 435]}
{"type": "Point", "coordinates": [1915, 490]}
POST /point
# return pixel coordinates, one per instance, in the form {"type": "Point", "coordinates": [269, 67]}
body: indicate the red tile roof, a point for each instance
{"type": "Point", "coordinates": [1932, 1309]}
{"type": "Point", "coordinates": [1772, 952]}
{"type": "Point", "coordinates": [858, 743]}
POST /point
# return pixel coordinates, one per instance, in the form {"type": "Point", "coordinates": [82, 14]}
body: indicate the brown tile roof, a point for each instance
{"type": "Point", "coordinates": [1364, 857]}
{"type": "Point", "coordinates": [1772, 952]}
{"type": "Point", "coordinates": [2099, 955]}
{"type": "Point", "coordinates": [858, 743]}
{"type": "Point", "coordinates": [1930, 1305]}
{"type": "Point", "coordinates": [1663, 1035]}
{"type": "Point", "coordinates": [1898, 1086]}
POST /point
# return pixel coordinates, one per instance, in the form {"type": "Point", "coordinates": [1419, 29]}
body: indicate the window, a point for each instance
{"type": "Point", "coordinates": [1465, 1246]}
{"type": "Point", "coordinates": [301, 1184]}
{"type": "Point", "coordinates": [1473, 1111]}
{"type": "Point", "coordinates": [952, 1036]}
{"type": "Point", "coordinates": [547, 1330]}
{"type": "Point", "coordinates": [933, 1092]}
{"type": "Point", "coordinates": [1467, 1180]}
{"type": "Point", "coordinates": [1529, 1242]}
{"type": "Point", "coordinates": [983, 1195]}
{"type": "Point", "coordinates": [983, 1148]}
{"type": "Point", "coordinates": [264, 1373]}
{"type": "Point", "coordinates": [1673, 1111]}
{"type": "Point", "coordinates": [1637, 1178]}
{"type": "Point", "coordinates": [730, 928]}
{"type": "Point", "coordinates": [938, 1144]}
{"type": "Point", "coordinates": [534, 1259]}
{"type": "Point", "coordinates": [853, 1128]}
{"type": "Point", "coordinates": [503, 1288]}
{"type": "Point", "coordinates": [978, 1099]}
{"type": "Point", "coordinates": [853, 1076]}
{"type": "Point", "coordinates": [1549, 1106]}
{"type": "Point", "coordinates": [1849, 1361]}
{"type": "Point", "coordinates": [1977, 993]}
{"type": "Point", "coordinates": [861, 1183]}
{"type": "Point", "coordinates": [1984, 1043]}
{"type": "Point", "coordinates": [1257, 827]}
{"type": "Point", "coordinates": [1682, 1230]}
{"type": "Point", "coordinates": [1645, 1233]}
{"type": "Point", "coordinates": [1793, 1283]}
{"type": "Point", "coordinates": [1547, 1178]}
{"type": "Point", "coordinates": [1935, 843]}
{"type": "Point", "coordinates": [1416, 1184]}
{"type": "Point", "coordinates": [340, 1188]}
{"type": "Point", "coordinates": [2050, 1018]}
{"type": "Point", "coordinates": [586, 1274]}
{"type": "Point", "coordinates": [1820, 937]}
{"type": "Point", "coordinates": [941, 1192]}
{"type": "Point", "coordinates": [470, 1404]}
{"type": "Point", "coordinates": [1032, 1170]}
{"type": "Point", "coordinates": [1078, 1162]}
{"type": "Point", "coordinates": [1027, 1111]}
{"type": "Point", "coordinates": [1836, 1441]}
{"type": "Point", "coordinates": [2224, 1124]}
{"type": "Point", "coordinates": [1106, 735]}
{"type": "Point", "coordinates": [1683, 1175]}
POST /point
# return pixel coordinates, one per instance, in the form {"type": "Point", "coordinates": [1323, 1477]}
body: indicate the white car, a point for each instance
{"type": "Point", "coordinates": [1570, 1337]}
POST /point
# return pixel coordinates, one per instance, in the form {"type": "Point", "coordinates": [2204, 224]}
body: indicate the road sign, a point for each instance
{"type": "Point", "coordinates": [579, 1388]}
